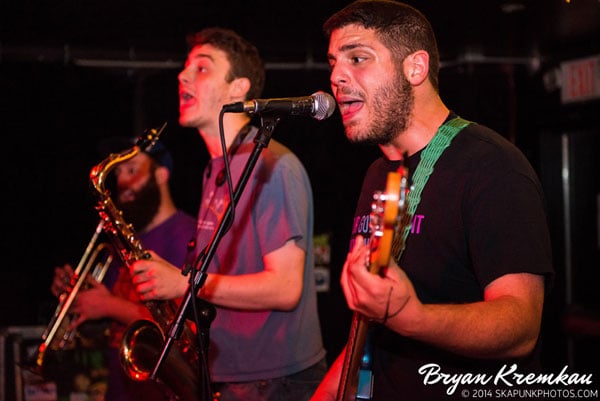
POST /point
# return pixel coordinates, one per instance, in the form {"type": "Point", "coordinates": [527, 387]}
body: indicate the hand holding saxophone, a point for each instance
{"type": "Point", "coordinates": [157, 279]}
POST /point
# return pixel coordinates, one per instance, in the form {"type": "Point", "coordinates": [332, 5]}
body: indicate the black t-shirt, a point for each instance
{"type": "Point", "coordinates": [481, 216]}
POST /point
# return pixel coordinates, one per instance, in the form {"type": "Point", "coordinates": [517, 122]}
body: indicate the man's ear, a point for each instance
{"type": "Point", "coordinates": [239, 88]}
{"type": "Point", "coordinates": [416, 67]}
{"type": "Point", "coordinates": [162, 174]}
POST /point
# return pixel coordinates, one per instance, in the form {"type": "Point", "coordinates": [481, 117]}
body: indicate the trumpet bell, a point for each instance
{"type": "Point", "coordinates": [96, 261]}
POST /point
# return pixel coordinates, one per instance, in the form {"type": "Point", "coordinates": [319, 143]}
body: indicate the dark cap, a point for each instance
{"type": "Point", "coordinates": [158, 151]}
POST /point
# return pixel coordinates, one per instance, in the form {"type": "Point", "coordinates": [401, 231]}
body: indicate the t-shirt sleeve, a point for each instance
{"type": "Point", "coordinates": [284, 206]}
{"type": "Point", "coordinates": [512, 203]}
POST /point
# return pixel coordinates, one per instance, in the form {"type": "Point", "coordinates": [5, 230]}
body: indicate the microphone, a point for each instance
{"type": "Point", "coordinates": [319, 105]}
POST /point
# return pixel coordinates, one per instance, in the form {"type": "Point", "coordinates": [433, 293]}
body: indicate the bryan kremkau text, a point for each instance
{"type": "Point", "coordinates": [507, 376]}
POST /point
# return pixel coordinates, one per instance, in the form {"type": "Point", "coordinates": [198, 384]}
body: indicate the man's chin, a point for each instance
{"type": "Point", "coordinates": [185, 122]}
{"type": "Point", "coordinates": [355, 134]}
{"type": "Point", "coordinates": [126, 202]}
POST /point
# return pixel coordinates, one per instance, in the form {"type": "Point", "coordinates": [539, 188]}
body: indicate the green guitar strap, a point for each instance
{"type": "Point", "coordinates": [442, 139]}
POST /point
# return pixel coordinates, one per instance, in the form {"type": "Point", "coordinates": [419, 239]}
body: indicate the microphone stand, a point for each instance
{"type": "Point", "coordinates": [198, 274]}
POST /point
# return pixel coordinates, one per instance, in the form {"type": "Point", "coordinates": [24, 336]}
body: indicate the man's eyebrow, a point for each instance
{"type": "Point", "coordinates": [197, 56]}
{"type": "Point", "coordinates": [345, 48]}
{"type": "Point", "coordinates": [202, 55]}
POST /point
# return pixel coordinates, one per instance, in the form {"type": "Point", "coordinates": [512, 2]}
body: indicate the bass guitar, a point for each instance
{"type": "Point", "coordinates": [387, 214]}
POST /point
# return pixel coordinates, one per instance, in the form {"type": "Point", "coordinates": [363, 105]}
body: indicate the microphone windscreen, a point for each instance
{"type": "Point", "coordinates": [324, 105]}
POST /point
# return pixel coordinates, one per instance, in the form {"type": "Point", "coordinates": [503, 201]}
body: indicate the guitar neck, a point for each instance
{"type": "Point", "coordinates": [384, 222]}
{"type": "Point", "coordinates": [349, 381]}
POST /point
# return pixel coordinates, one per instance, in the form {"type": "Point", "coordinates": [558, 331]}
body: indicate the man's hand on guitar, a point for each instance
{"type": "Point", "coordinates": [379, 297]}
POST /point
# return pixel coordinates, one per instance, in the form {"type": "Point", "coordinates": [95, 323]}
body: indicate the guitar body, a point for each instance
{"type": "Point", "coordinates": [356, 381]}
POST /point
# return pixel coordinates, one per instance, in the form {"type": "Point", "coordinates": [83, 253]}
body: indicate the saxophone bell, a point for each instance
{"type": "Point", "coordinates": [142, 346]}
{"type": "Point", "coordinates": [140, 349]}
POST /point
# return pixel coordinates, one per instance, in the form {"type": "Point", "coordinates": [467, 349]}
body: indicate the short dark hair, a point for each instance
{"type": "Point", "coordinates": [243, 56]}
{"type": "Point", "coordinates": [400, 27]}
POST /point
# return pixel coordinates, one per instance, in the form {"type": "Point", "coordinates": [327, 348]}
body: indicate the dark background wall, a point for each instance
{"type": "Point", "coordinates": [73, 75]}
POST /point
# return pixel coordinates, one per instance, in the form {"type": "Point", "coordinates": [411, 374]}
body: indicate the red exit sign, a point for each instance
{"type": "Point", "coordinates": [580, 79]}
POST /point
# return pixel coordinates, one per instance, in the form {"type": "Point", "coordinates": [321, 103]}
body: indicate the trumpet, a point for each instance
{"type": "Point", "coordinates": [95, 261]}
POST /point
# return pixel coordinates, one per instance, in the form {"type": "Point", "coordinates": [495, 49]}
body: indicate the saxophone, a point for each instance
{"type": "Point", "coordinates": [143, 341]}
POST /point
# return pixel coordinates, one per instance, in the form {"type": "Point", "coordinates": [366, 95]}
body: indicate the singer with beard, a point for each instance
{"type": "Point", "coordinates": [142, 192]}
{"type": "Point", "coordinates": [465, 286]}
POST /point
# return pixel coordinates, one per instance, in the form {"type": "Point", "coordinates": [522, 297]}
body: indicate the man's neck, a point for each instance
{"type": "Point", "coordinates": [232, 124]}
{"type": "Point", "coordinates": [166, 210]}
{"type": "Point", "coordinates": [425, 120]}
